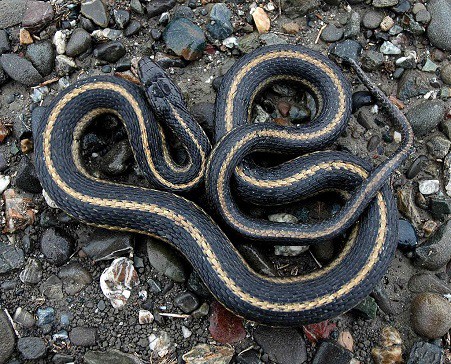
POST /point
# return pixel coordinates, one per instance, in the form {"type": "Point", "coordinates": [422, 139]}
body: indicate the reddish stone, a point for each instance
{"type": "Point", "coordinates": [18, 211]}
{"type": "Point", "coordinates": [322, 330]}
{"type": "Point", "coordinates": [284, 108]}
{"type": "Point", "coordinates": [225, 327]}
{"type": "Point", "coordinates": [37, 15]}
{"type": "Point", "coordinates": [4, 132]}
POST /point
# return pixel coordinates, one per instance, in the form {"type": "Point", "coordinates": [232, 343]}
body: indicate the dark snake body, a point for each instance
{"type": "Point", "coordinates": [273, 300]}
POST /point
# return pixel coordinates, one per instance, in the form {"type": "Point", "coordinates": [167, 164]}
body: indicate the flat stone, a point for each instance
{"type": "Point", "coordinates": [7, 338]}
{"type": "Point", "coordinates": [20, 69]}
{"type": "Point", "coordinates": [56, 247]}
{"type": "Point", "coordinates": [4, 42]}
{"type": "Point", "coordinates": [52, 288]}
{"type": "Point", "coordinates": [75, 277]}
{"type": "Point", "coordinates": [11, 257]}
{"type": "Point", "coordinates": [367, 308]}
{"type": "Point", "coordinates": [407, 237]}
{"type": "Point", "coordinates": [187, 302]}
{"type": "Point", "coordinates": [37, 14]}
{"type": "Point", "coordinates": [372, 19]}
{"type": "Point", "coordinates": [42, 56]}
{"type": "Point", "coordinates": [347, 49]}
{"type": "Point", "coordinates": [11, 12]}
{"type": "Point", "coordinates": [96, 11]}
{"type": "Point", "coordinates": [330, 352]}
{"type": "Point", "coordinates": [79, 42]}
{"type": "Point", "coordinates": [45, 316]}
{"type": "Point", "coordinates": [425, 353]}
{"type": "Point", "coordinates": [372, 60]}
{"type": "Point", "coordinates": [31, 348]}
{"type": "Point", "coordinates": [440, 206]}
{"type": "Point", "coordinates": [439, 31]}
{"type": "Point", "coordinates": [427, 282]}
{"type": "Point", "coordinates": [83, 336]}
{"type": "Point", "coordinates": [185, 39]}
{"type": "Point", "coordinates": [164, 259]}
{"type": "Point", "coordinates": [110, 52]}
{"type": "Point", "coordinates": [435, 252]}
{"type": "Point", "coordinates": [332, 33]}
{"type": "Point", "coordinates": [425, 116]}
{"type": "Point", "coordinates": [274, 341]}
{"type": "Point", "coordinates": [158, 7]}
{"type": "Point", "coordinates": [225, 327]}
{"type": "Point", "coordinates": [412, 83]}
{"type": "Point", "coordinates": [121, 17]}
{"type": "Point", "coordinates": [431, 315]}
{"type": "Point", "coordinates": [32, 272]}
{"type": "Point", "coordinates": [24, 318]}
{"type": "Point", "coordinates": [132, 28]}
{"type": "Point", "coordinates": [110, 356]}
{"type": "Point", "coordinates": [220, 26]}
{"type": "Point", "coordinates": [438, 146]}
{"type": "Point", "coordinates": [106, 244]}
{"type": "Point", "coordinates": [208, 354]}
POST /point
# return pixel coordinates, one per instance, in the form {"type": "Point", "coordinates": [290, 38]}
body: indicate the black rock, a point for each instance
{"type": "Point", "coordinates": [31, 348]}
{"type": "Point", "coordinates": [436, 251]}
{"type": "Point", "coordinates": [402, 7]}
{"type": "Point", "coordinates": [204, 114]}
{"type": "Point", "coordinates": [4, 42]}
{"type": "Point", "coordinates": [196, 285]}
{"type": "Point", "coordinates": [75, 277]}
{"type": "Point", "coordinates": [425, 353]}
{"type": "Point", "coordinates": [185, 39]}
{"type": "Point", "coordinates": [116, 161]}
{"type": "Point", "coordinates": [87, 24]}
{"type": "Point", "coordinates": [416, 166]}
{"type": "Point", "coordinates": [3, 162]}
{"type": "Point", "coordinates": [412, 83]}
{"type": "Point", "coordinates": [42, 56]}
{"type": "Point", "coordinates": [56, 247]}
{"type": "Point", "coordinates": [62, 359]}
{"type": "Point", "coordinates": [187, 302]}
{"type": "Point", "coordinates": [83, 336]}
{"type": "Point", "coordinates": [330, 352]}
{"type": "Point", "coordinates": [440, 206]}
{"type": "Point", "coordinates": [106, 244]}
{"type": "Point", "coordinates": [347, 49]}
{"type": "Point", "coordinates": [332, 33]}
{"type": "Point", "coordinates": [158, 7]}
{"type": "Point", "coordinates": [220, 26]}
{"type": "Point", "coordinates": [11, 257]}
{"type": "Point", "coordinates": [97, 11]}
{"type": "Point", "coordinates": [123, 65]}
{"type": "Point", "coordinates": [110, 52]}
{"type": "Point", "coordinates": [407, 238]}
{"type": "Point", "coordinates": [79, 42]}
{"type": "Point", "coordinates": [425, 116]}
{"type": "Point", "coordinates": [361, 98]}
{"type": "Point", "coordinates": [372, 60]}
{"type": "Point", "coordinates": [156, 34]}
{"type": "Point", "coordinates": [26, 178]}
{"type": "Point", "coordinates": [133, 28]}
{"type": "Point", "coordinates": [20, 69]}
{"type": "Point", "coordinates": [121, 17]}
{"type": "Point", "coordinates": [7, 338]}
{"type": "Point", "coordinates": [249, 357]}
{"type": "Point", "coordinates": [258, 261]}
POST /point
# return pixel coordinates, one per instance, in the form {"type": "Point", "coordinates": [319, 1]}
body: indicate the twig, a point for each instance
{"type": "Point", "coordinates": [175, 315]}
{"type": "Point", "coordinates": [316, 260]}
{"type": "Point", "coordinates": [319, 33]}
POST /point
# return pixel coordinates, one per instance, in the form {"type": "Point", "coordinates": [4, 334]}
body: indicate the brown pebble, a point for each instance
{"type": "Point", "coordinates": [25, 37]}
{"type": "Point", "coordinates": [430, 315]}
{"type": "Point", "coordinates": [284, 108]}
{"type": "Point", "coordinates": [291, 28]}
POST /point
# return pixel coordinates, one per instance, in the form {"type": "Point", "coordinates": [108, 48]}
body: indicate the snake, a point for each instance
{"type": "Point", "coordinates": [222, 169]}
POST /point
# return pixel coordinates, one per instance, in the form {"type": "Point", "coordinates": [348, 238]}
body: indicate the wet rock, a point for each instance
{"type": "Point", "coordinates": [208, 354]}
{"type": "Point", "coordinates": [431, 315]}
{"type": "Point", "coordinates": [11, 12]}
{"type": "Point", "coordinates": [97, 11]}
{"type": "Point", "coordinates": [7, 338]}
{"type": "Point", "coordinates": [74, 278]}
{"type": "Point", "coordinates": [83, 336]}
{"type": "Point", "coordinates": [331, 33]}
{"type": "Point", "coordinates": [436, 251]}
{"type": "Point", "coordinates": [220, 26]}
{"type": "Point", "coordinates": [407, 238]}
{"type": "Point", "coordinates": [427, 282]}
{"type": "Point", "coordinates": [347, 49]}
{"type": "Point", "coordinates": [330, 352]}
{"type": "Point", "coordinates": [133, 28]}
{"type": "Point", "coordinates": [52, 288]}
{"type": "Point", "coordinates": [412, 83]}
{"type": "Point", "coordinates": [106, 244]}
{"type": "Point", "coordinates": [372, 19]}
{"type": "Point", "coordinates": [372, 60]}
{"type": "Point", "coordinates": [165, 261]}
{"type": "Point", "coordinates": [4, 42]}
{"type": "Point", "coordinates": [20, 69]}
{"type": "Point", "coordinates": [32, 273]}
{"type": "Point", "coordinates": [425, 353]}
{"type": "Point", "coordinates": [426, 116]}
{"type": "Point", "coordinates": [121, 17]}
{"type": "Point", "coordinates": [110, 52]}
{"type": "Point", "coordinates": [416, 166]}
{"type": "Point", "coordinates": [160, 344]}
{"type": "Point", "coordinates": [187, 302]}
{"type": "Point", "coordinates": [24, 318]}
{"type": "Point", "coordinates": [31, 348]}
{"type": "Point", "coordinates": [261, 20]}
{"type": "Point", "coordinates": [185, 39]}
{"type": "Point", "coordinates": [158, 7]}
{"type": "Point", "coordinates": [274, 341]}
{"type": "Point", "coordinates": [37, 14]}
{"type": "Point", "coordinates": [11, 257]}
{"type": "Point", "coordinates": [110, 356]}
{"type": "Point", "coordinates": [79, 42]}
{"type": "Point", "coordinates": [118, 280]}
{"type": "Point", "coordinates": [56, 247]}
{"type": "Point", "coordinates": [117, 160]}
{"type": "Point", "coordinates": [439, 32]}
{"type": "Point", "coordinates": [45, 316]}
{"type": "Point", "coordinates": [225, 327]}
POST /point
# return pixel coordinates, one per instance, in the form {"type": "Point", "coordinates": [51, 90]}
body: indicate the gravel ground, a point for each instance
{"type": "Point", "coordinates": [56, 273]}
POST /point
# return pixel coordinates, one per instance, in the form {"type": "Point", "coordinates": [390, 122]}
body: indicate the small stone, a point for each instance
{"type": "Point", "coordinates": [291, 28]}
{"type": "Point", "coordinates": [160, 344]}
{"type": "Point", "coordinates": [110, 356]}
{"type": "Point", "coordinates": [56, 247]}
{"type": "Point", "coordinates": [372, 60]}
{"type": "Point", "coordinates": [407, 237]}
{"type": "Point", "coordinates": [261, 20]}
{"type": "Point", "coordinates": [247, 43]}
{"type": "Point", "coordinates": [187, 302]}
{"type": "Point", "coordinates": [438, 146]}
{"type": "Point", "coordinates": [107, 244]}
{"type": "Point", "coordinates": [158, 7]}
{"type": "Point", "coordinates": [428, 187]}
{"type": "Point", "coordinates": [436, 251]}
{"type": "Point", "coordinates": [440, 206]}
{"type": "Point", "coordinates": [145, 317]}
{"type": "Point", "coordinates": [132, 28]}
{"type": "Point", "coordinates": [11, 257]}
{"type": "Point", "coordinates": [185, 39]}
{"type": "Point", "coordinates": [387, 23]}
{"type": "Point", "coordinates": [331, 33]}
{"type": "Point", "coordinates": [118, 280]}
{"type": "Point", "coordinates": [97, 11]}
{"type": "Point", "coordinates": [25, 37]}
{"type": "Point", "coordinates": [32, 273]}
{"type": "Point", "coordinates": [74, 278]}
{"type": "Point", "coordinates": [79, 42]}
{"type": "Point", "coordinates": [136, 6]}
{"type": "Point", "coordinates": [347, 49]}
{"type": "Point", "coordinates": [402, 7]}
{"type": "Point", "coordinates": [330, 352]}
{"type": "Point", "coordinates": [51, 288]}
{"type": "Point", "coordinates": [83, 336]}
{"type": "Point", "coordinates": [116, 161]}
{"type": "Point", "coordinates": [42, 56]}
{"type": "Point", "coordinates": [24, 318]}
{"type": "Point", "coordinates": [220, 26]}
{"type": "Point", "coordinates": [121, 17]}
{"type": "Point", "coordinates": [425, 116]}
{"type": "Point", "coordinates": [37, 14]}
{"type": "Point", "coordinates": [20, 69]}
{"type": "Point", "coordinates": [26, 178]}
{"type": "Point", "coordinates": [439, 31]}
{"type": "Point", "coordinates": [274, 341]}
{"type": "Point", "coordinates": [372, 19]}
{"type": "Point", "coordinates": [425, 353]}
{"type": "Point", "coordinates": [59, 40]}
{"type": "Point", "coordinates": [7, 338]}
{"type": "Point", "coordinates": [110, 52]}
{"type": "Point", "coordinates": [367, 308]}
{"type": "Point", "coordinates": [412, 83]}
{"type": "Point", "coordinates": [31, 348]}
{"type": "Point", "coordinates": [423, 16]}
{"type": "Point", "coordinates": [165, 261]}
{"type": "Point", "coordinates": [352, 28]}
{"type": "Point", "coordinates": [427, 282]}
{"type": "Point", "coordinates": [186, 332]}
{"type": "Point", "coordinates": [64, 65]}
{"type": "Point", "coordinates": [11, 12]}
{"type": "Point", "coordinates": [45, 316]}
{"type": "Point", "coordinates": [208, 354]}
{"type": "Point", "coordinates": [225, 327]}
{"type": "Point", "coordinates": [389, 48]}
{"type": "Point", "coordinates": [431, 315]}
{"type": "Point", "coordinates": [429, 66]}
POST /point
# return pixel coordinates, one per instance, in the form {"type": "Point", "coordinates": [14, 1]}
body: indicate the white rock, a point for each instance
{"type": "Point", "coordinates": [429, 186]}
{"type": "Point", "coordinates": [283, 217]}
{"type": "Point", "coordinates": [290, 251]}
{"type": "Point", "coordinates": [389, 48]}
{"type": "Point", "coordinates": [397, 137]}
{"type": "Point", "coordinates": [145, 317]}
{"type": "Point", "coordinates": [4, 183]}
{"type": "Point", "coordinates": [230, 42]}
{"type": "Point", "coordinates": [186, 332]}
{"type": "Point", "coordinates": [160, 344]}
{"type": "Point", "coordinates": [59, 40]}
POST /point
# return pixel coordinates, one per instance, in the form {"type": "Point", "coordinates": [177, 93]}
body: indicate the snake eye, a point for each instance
{"type": "Point", "coordinates": [165, 88]}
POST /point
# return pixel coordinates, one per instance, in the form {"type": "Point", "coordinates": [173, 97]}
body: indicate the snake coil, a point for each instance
{"type": "Point", "coordinates": [370, 210]}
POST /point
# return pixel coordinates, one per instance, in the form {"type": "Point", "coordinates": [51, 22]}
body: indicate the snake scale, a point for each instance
{"type": "Point", "coordinates": [369, 215]}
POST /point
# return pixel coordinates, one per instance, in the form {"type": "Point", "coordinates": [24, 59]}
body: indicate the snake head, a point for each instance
{"type": "Point", "coordinates": [162, 92]}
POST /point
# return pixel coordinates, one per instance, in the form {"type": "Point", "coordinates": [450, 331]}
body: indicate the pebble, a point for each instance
{"type": "Point", "coordinates": [225, 327]}
{"type": "Point", "coordinates": [164, 260]}
{"type": "Point", "coordinates": [425, 353]}
{"type": "Point", "coordinates": [291, 28]}
{"type": "Point", "coordinates": [438, 146]}
{"type": "Point", "coordinates": [20, 69]}
{"type": "Point", "coordinates": [425, 116]}
{"type": "Point", "coordinates": [45, 316]}
{"type": "Point", "coordinates": [435, 252]}
{"type": "Point", "coordinates": [407, 237]}
{"type": "Point", "coordinates": [110, 356]}
{"type": "Point", "coordinates": [136, 6]}
{"type": "Point", "coordinates": [83, 336]}
{"type": "Point", "coordinates": [160, 344]}
{"type": "Point", "coordinates": [145, 317]}
{"type": "Point", "coordinates": [423, 16]}
{"type": "Point", "coordinates": [185, 39]}
{"type": "Point", "coordinates": [330, 352]}
{"type": "Point", "coordinates": [42, 56]}
{"type": "Point", "coordinates": [274, 341]}
{"type": "Point", "coordinates": [367, 308]}
{"type": "Point", "coordinates": [79, 42]}
{"type": "Point", "coordinates": [412, 83]}
{"type": "Point", "coordinates": [429, 66]}
{"type": "Point", "coordinates": [31, 348]}
{"type": "Point", "coordinates": [158, 7]}
{"type": "Point", "coordinates": [261, 20]}
{"type": "Point", "coordinates": [390, 351]}
{"type": "Point", "coordinates": [439, 206]}
{"type": "Point", "coordinates": [208, 354]}
{"type": "Point", "coordinates": [187, 302]}
{"type": "Point", "coordinates": [74, 278]}
{"type": "Point", "coordinates": [352, 28]}
{"type": "Point", "coordinates": [11, 12]}
{"type": "Point", "coordinates": [32, 273]}
{"type": "Point", "coordinates": [106, 245]}
{"type": "Point", "coordinates": [24, 318]}
{"type": "Point", "coordinates": [96, 11]}
{"type": "Point", "coordinates": [372, 60]}
{"type": "Point", "coordinates": [431, 315]}
{"type": "Point", "coordinates": [7, 338]}
{"type": "Point", "coordinates": [121, 17]}
{"type": "Point", "coordinates": [132, 28]}
{"type": "Point", "coordinates": [110, 52]}
{"type": "Point", "coordinates": [429, 186]}
{"type": "Point", "coordinates": [25, 37]}
{"type": "Point", "coordinates": [117, 160]}
{"type": "Point", "coordinates": [56, 247]}
{"type": "Point", "coordinates": [37, 14]}
{"type": "Point", "coordinates": [402, 7]}
{"type": "Point", "coordinates": [4, 183]}
{"type": "Point", "coordinates": [59, 40]}
{"type": "Point", "coordinates": [387, 23]}
{"type": "Point", "coordinates": [439, 31]}
{"type": "Point", "coordinates": [220, 26]}
{"type": "Point", "coordinates": [26, 178]}
{"type": "Point", "coordinates": [445, 74]}
{"type": "Point", "coordinates": [389, 48]}
{"type": "Point", "coordinates": [331, 33]}
{"type": "Point", "coordinates": [427, 282]}
{"type": "Point", "coordinates": [64, 65]}
{"type": "Point", "coordinates": [372, 19]}
{"type": "Point", "coordinates": [384, 3]}
{"type": "Point", "coordinates": [347, 49]}
{"type": "Point", "coordinates": [51, 288]}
